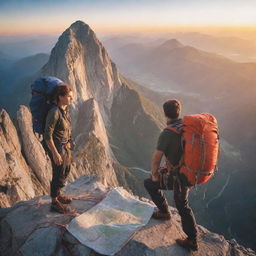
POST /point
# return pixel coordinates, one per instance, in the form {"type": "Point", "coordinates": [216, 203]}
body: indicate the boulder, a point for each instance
{"type": "Point", "coordinates": [33, 149]}
{"type": "Point", "coordinates": [16, 179]}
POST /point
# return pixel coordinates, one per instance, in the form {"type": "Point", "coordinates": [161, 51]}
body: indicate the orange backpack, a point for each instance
{"type": "Point", "coordinates": [201, 147]}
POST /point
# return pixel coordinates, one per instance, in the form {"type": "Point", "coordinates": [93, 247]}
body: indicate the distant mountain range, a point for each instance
{"type": "Point", "coordinates": [5, 61]}
{"type": "Point", "coordinates": [173, 64]}
{"type": "Point", "coordinates": [14, 76]}
{"type": "Point", "coordinates": [235, 48]}
{"type": "Point", "coordinates": [221, 85]}
{"type": "Point", "coordinates": [19, 47]}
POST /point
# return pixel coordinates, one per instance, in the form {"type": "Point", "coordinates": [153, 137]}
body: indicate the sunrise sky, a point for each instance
{"type": "Point", "coordinates": [48, 16]}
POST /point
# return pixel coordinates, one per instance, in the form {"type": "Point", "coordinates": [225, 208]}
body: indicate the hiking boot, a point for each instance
{"type": "Point", "coordinates": [57, 206]}
{"type": "Point", "coordinates": [188, 244]}
{"type": "Point", "coordinates": [161, 215]}
{"type": "Point", "coordinates": [64, 199]}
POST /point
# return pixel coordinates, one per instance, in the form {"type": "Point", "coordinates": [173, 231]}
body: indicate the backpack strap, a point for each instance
{"type": "Point", "coordinates": [177, 128]}
{"type": "Point", "coordinates": [60, 115]}
{"type": "Point", "coordinates": [170, 128]}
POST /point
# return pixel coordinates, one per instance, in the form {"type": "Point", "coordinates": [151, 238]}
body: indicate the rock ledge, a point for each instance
{"type": "Point", "coordinates": [29, 228]}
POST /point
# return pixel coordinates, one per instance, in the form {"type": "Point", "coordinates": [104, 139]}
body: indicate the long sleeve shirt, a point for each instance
{"type": "Point", "coordinates": [57, 127]}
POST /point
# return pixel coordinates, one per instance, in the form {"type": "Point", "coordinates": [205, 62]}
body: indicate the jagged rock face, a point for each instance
{"type": "Point", "coordinates": [32, 148]}
{"type": "Point", "coordinates": [79, 59]}
{"type": "Point", "coordinates": [92, 153]}
{"type": "Point", "coordinates": [16, 178]}
{"type": "Point", "coordinates": [135, 126]}
{"type": "Point", "coordinates": [29, 228]}
{"type": "Point", "coordinates": [26, 169]}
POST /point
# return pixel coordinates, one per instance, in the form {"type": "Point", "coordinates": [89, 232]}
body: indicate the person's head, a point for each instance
{"type": "Point", "coordinates": [172, 108]}
{"type": "Point", "coordinates": [62, 94]}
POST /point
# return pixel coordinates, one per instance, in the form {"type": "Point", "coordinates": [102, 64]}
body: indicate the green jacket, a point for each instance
{"type": "Point", "coordinates": [58, 127]}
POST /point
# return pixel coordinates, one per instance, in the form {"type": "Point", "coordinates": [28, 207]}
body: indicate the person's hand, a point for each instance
{"type": "Point", "coordinates": [57, 159]}
{"type": "Point", "coordinates": [155, 177]}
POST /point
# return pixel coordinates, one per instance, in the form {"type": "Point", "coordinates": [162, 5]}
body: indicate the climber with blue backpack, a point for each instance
{"type": "Point", "coordinates": [49, 107]}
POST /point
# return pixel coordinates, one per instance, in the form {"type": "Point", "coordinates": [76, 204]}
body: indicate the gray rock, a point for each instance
{"type": "Point", "coordinates": [32, 148]}
{"type": "Point", "coordinates": [33, 245]}
{"type": "Point", "coordinates": [29, 228]}
{"type": "Point", "coordinates": [92, 154]}
{"type": "Point", "coordinates": [15, 174]}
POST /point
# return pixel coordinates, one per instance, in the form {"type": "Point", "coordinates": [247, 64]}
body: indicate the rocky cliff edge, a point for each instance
{"type": "Point", "coordinates": [29, 228]}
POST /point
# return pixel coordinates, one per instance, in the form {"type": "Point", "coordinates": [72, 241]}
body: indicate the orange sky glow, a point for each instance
{"type": "Point", "coordinates": [112, 16]}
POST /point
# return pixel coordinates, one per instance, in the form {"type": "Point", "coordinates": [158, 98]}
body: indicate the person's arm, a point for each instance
{"type": "Point", "coordinates": [55, 154]}
{"type": "Point", "coordinates": [155, 164]}
{"type": "Point", "coordinates": [162, 145]}
{"type": "Point", "coordinates": [51, 121]}
{"type": "Point", "coordinates": [70, 144]}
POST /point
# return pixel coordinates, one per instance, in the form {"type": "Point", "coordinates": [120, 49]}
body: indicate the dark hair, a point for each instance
{"type": "Point", "coordinates": [172, 108]}
{"type": "Point", "coordinates": [60, 90]}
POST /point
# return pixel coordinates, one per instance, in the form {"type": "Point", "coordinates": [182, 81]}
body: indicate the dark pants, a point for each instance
{"type": "Point", "coordinates": [60, 172]}
{"type": "Point", "coordinates": [181, 200]}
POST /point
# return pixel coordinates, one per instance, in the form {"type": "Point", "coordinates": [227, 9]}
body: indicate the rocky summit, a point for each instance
{"type": "Point", "coordinates": [29, 228]}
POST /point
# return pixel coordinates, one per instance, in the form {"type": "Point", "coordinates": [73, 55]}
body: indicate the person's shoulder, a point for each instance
{"type": "Point", "coordinates": [54, 108]}
{"type": "Point", "coordinates": [53, 111]}
{"type": "Point", "coordinates": [168, 132]}
{"type": "Point", "coordinates": [165, 134]}
{"type": "Point", "coordinates": [168, 135]}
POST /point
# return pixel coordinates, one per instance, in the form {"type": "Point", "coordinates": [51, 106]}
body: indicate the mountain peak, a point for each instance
{"type": "Point", "coordinates": [80, 25]}
{"type": "Point", "coordinates": [80, 59]}
{"type": "Point", "coordinates": [171, 44]}
{"type": "Point", "coordinates": [80, 31]}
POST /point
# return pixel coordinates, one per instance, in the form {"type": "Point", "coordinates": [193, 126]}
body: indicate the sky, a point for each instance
{"type": "Point", "coordinates": [54, 16]}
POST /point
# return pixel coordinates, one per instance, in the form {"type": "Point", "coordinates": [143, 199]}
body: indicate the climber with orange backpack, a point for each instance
{"type": "Point", "coordinates": [190, 146]}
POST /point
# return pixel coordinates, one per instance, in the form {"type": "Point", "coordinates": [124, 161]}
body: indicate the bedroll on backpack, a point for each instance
{"type": "Point", "coordinates": [201, 147]}
{"type": "Point", "coordinates": [42, 89]}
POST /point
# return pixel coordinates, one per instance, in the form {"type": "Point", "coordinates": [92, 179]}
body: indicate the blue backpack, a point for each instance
{"type": "Point", "coordinates": [42, 89]}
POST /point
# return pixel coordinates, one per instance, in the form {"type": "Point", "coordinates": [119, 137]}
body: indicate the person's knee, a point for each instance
{"type": "Point", "coordinates": [61, 183]}
{"type": "Point", "coordinates": [182, 206]}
